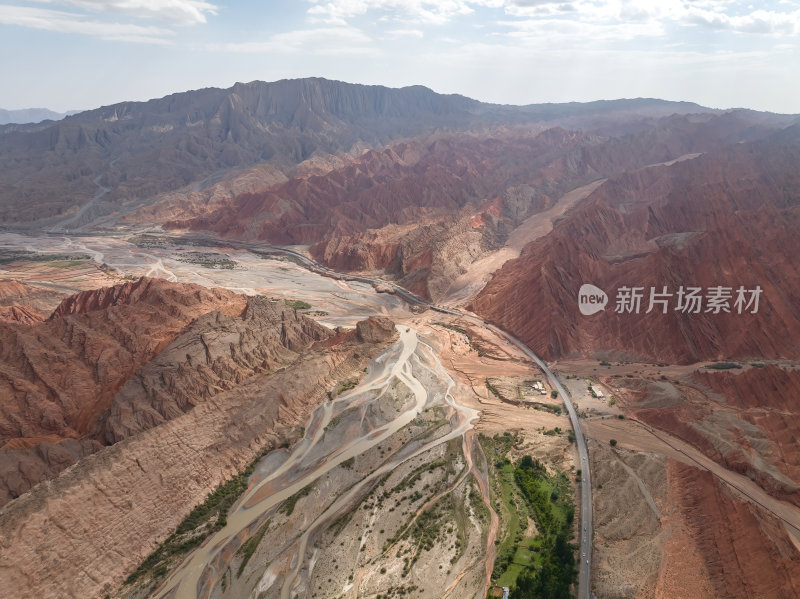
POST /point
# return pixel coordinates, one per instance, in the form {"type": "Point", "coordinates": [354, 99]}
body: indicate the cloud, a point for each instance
{"type": "Point", "coordinates": [181, 12]}
{"type": "Point", "coordinates": [321, 41]}
{"type": "Point", "coordinates": [759, 22]}
{"type": "Point", "coordinates": [406, 33]}
{"type": "Point", "coordinates": [609, 18]}
{"type": "Point", "coordinates": [549, 31]}
{"type": "Point", "coordinates": [434, 12]}
{"type": "Point", "coordinates": [65, 22]}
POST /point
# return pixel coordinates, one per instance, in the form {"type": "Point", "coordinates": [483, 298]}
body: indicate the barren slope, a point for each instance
{"type": "Point", "coordinates": [729, 217]}
{"type": "Point", "coordinates": [114, 362]}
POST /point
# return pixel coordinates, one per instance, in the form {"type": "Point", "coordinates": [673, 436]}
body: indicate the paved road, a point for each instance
{"type": "Point", "coordinates": [585, 530]}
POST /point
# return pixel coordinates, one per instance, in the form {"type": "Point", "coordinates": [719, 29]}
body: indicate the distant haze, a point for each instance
{"type": "Point", "coordinates": [31, 115]}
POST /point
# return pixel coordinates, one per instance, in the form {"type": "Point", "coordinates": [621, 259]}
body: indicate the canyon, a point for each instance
{"type": "Point", "coordinates": [187, 410]}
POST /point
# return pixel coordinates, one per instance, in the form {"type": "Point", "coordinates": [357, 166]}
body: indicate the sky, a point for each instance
{"type": "Point", "coordinates": [81, 54]}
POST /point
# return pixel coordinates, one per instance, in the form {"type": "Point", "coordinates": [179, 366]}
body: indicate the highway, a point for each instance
{"type": "Point", "coordinates": [585, 530]}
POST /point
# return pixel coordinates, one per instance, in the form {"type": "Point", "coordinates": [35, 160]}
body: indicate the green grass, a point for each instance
{"type": "Point", "coordinates": [67, 263]}
{"type": "Point", "coordinates": [413, 476]}
{"type": "Point", "coordinates": [540, 566]}
{"type": "Point", "coordinates": [509, 560]}
{"type": "Point", "coordinates": [508, 504]}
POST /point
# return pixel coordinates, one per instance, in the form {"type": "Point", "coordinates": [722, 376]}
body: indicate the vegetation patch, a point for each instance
{"type": "Point", "coordinates": [413, 476]}
{"type": "Point", "coordinates": [150, 241]}
{"type": "Point", "coordinates": [723, 366]}
{"type": "Point", "coordinates": [208, 260]}
{"type": "Point", "coordinates": [338, 525]}
{"type": "Point", "coordinates": [532, 566]}
{"type": "Point", "coordinates": [288, 506]}
{"type": "Point", "coordinates": [274, 255]}
{"type": "Point", "coordinates": [493, 390]}
{"type": "Point", "coordinates": [545, 407]}
{"type": "Point", "coordinates": [204, 519]}
{"type": "Point", "coordinates": [249, 547]}
{"type": "Point", "coordinates": [432, 525]}
{"type": "Point", "coordinates": [298, 304]}
{"type": "Point", "coordinates": [346, 386]}
{"type": "Point", "coordinates": [59, 260]}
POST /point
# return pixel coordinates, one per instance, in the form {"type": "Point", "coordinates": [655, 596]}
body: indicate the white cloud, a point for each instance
{"type": "Point", "coordinates": [182, 12]}
{"type": "Point", "coordinates": [65, 22]}
{"type": "Point", "coordinates": [422, 11]}
{"type": "Point", "coordinates": [321, 40]}
{"type": "Point", "coordinates": [627, 18]}
{"type": "Point", "coordinates": [759, 21]}
{"type": "Point", "coordinates": [550, 31]}
{"type": "Point", "coordinates": [406, 33]}
{"type": "Point", "coordinates": [98, 18]}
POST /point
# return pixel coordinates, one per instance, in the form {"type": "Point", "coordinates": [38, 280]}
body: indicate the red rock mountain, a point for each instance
{"type": "Point", "coordinates": [20, 314]}
{"type": "Point", "coordinates": [730, 217]}
{"type": "Point", "coordinates": [113, 362]}
{"type": "Point", "coordinates": [28, 297]}
{"type": "Point", "coordinates": [423, 210]}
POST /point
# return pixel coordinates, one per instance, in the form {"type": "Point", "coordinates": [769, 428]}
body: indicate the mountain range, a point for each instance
{"type": "Point", "coordinates": [132, 151]}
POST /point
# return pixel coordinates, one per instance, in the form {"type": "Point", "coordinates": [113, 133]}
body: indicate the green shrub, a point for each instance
{"type": "Point", "coordinates": [249, 547]}
{"type": "Point", "coordinates": [288, 506]}
{"type": "Point", "coordinates": [298, 304]}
